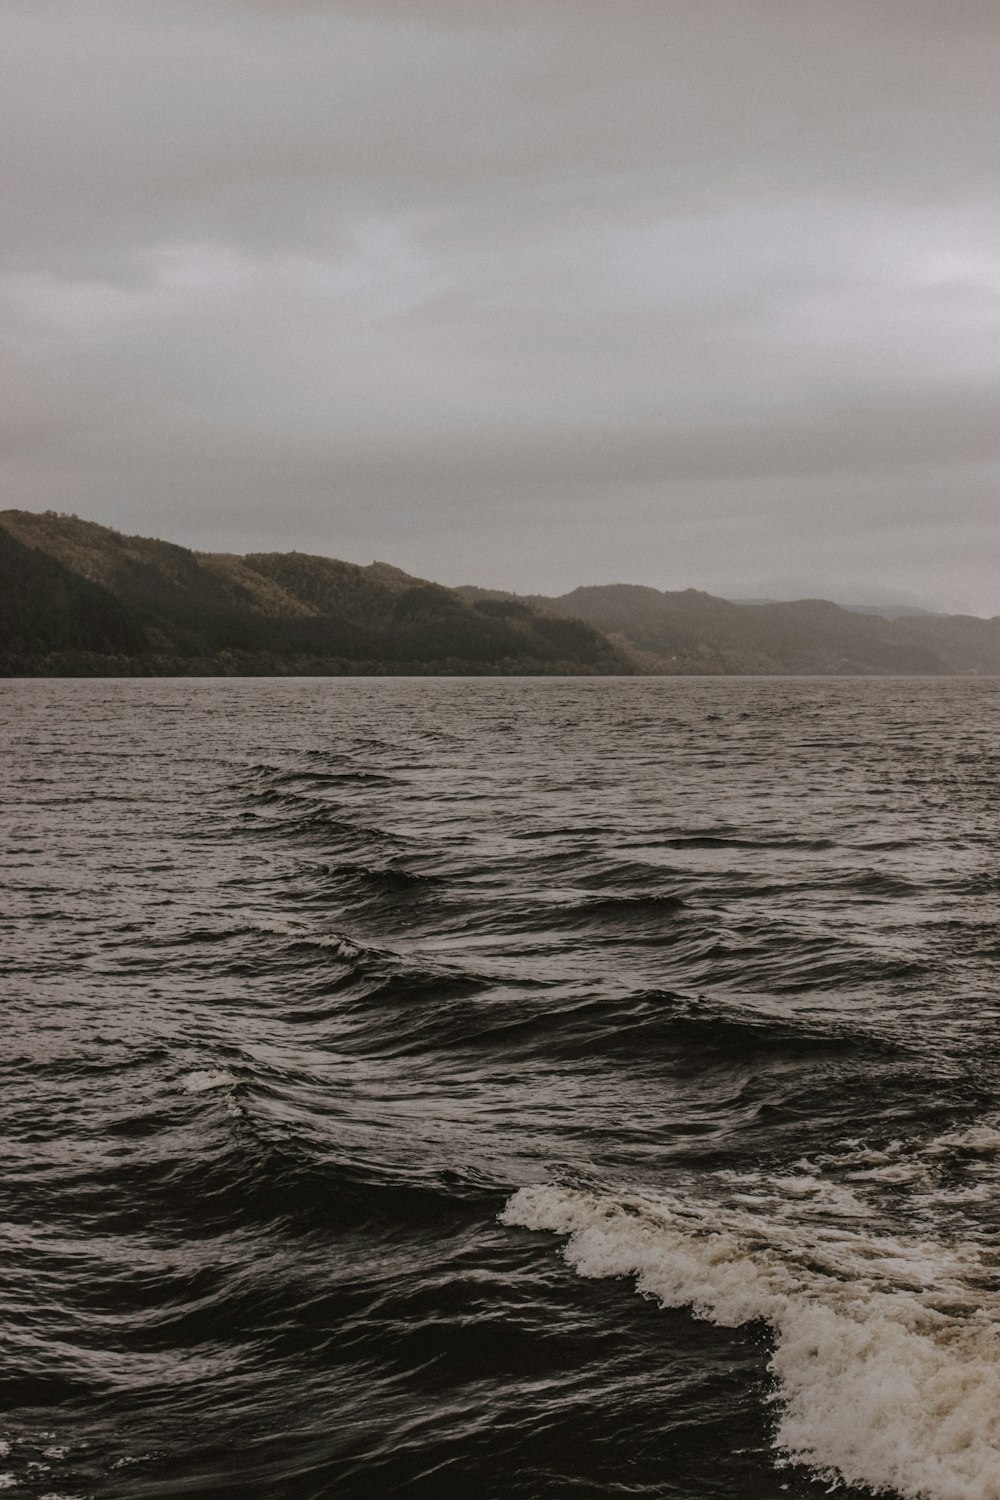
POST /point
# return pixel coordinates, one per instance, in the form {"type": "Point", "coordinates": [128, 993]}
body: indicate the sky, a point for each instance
{"type": "Point", "coordinates": [525, 293]}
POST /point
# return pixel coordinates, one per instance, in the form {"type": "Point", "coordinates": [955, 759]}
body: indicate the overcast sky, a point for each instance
{"type": "Point", "coordinates": [527, 293]}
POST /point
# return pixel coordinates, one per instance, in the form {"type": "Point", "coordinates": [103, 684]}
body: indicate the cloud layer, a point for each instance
{"type": "Point", "coordinates": [533, 294]}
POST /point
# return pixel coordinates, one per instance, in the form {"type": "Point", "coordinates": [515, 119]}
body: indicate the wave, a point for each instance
{"type": "Point", "coordinates": [391, 875]}
{"type": "Point", "coordinates": [652, 1025]}
{"type": "Point", "coordinates": [377, 886]}
{"type": "Point", "coordinates": [290, 804]}
{"type": "Point", "coordinates": [637, 916]}
{"type": "Point", "coordinates": [336, 768]}
{"type": "Point", "coordinates": [309, 820]}
{"type": "Point", "coordinates": [628, 906]}
{"type": "Point", "coordinates": [733, 840]}
{"type": "Point", "coordinates": [886, 1353]}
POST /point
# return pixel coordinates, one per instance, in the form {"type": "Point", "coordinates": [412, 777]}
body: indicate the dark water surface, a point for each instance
{"type": "Point", "coordinates": [368, 1046]}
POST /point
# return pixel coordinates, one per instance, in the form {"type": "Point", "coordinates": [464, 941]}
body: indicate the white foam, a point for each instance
{"type": "Point", "coordinates": [887, 1353]}
{"type": "Point", "coordinates": [804, 1193]}
{"type": "Point", "coordinates": [896, 1171]}
{"type": "Point", "coordinates": [982, 1139]}
{"type": "Point", "coordinates": [8, 1482]}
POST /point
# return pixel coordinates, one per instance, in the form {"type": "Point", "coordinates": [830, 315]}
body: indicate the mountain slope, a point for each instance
{"type": "Point", "coordinates": [81, 598]}
{"type": "Point", "coordinates": [44, 605]}
{"type": "Point", "coordinates": [693, 632]}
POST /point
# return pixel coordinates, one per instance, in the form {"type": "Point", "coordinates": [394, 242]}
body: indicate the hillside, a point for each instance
{"type": "Point", "coordinates": [692, 632]}
{"type": "Point", "coordinates": [80, 599]}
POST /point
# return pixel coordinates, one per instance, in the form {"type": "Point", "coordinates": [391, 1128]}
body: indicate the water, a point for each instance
{"type": "Point", "coordinates": [500, 1088]}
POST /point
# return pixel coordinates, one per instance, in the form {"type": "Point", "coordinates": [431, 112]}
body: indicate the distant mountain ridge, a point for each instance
{"type": "Point", "coordinates": [78, 599]}
{"type": "Point", "coordinates": [693, 632]}
{"type": "Point", "coordinates": [887, 611]}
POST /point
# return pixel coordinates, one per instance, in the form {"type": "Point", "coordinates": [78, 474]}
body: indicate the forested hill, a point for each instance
{"type": "Point", "coordinates": [79, 599]}
{"type": "Point", "coordinates": [693, 632]}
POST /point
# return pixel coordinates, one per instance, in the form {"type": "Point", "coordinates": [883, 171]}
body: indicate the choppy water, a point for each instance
{"type": "Point", "coordinates": [500, 1088]}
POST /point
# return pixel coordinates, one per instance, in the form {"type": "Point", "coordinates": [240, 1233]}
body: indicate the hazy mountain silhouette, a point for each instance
{"type": "Point", "coordinates": [886, 610]}
{"type": "Point", "coordinates": [690, 632]}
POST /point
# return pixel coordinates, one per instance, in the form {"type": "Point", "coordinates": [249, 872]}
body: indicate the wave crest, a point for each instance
{"type": "Point", "coordinates": [886, 1352]}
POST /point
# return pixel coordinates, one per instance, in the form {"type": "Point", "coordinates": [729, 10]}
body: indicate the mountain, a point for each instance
{"type": "Point", "coordinates": [693, 632]}
{"type": "Point", "coordinates": [887, 611]}
{"type": "Point", "coordinates": [77, 599]}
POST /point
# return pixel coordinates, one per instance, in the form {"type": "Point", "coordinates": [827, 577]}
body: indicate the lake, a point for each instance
{"type": "Point", "coordinates": [501, 1088]}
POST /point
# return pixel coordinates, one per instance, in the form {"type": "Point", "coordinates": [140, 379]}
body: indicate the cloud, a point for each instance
{"type": "Point", "coordinates": [447, 281]}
